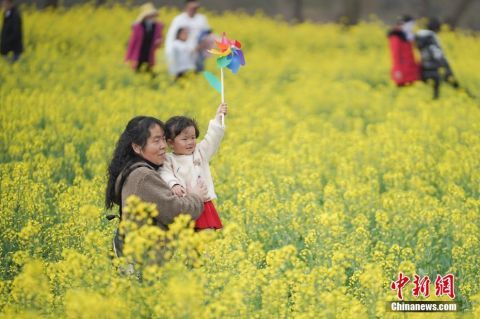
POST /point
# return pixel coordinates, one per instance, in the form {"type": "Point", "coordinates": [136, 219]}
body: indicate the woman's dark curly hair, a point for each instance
{"type": "Point", "coordinates": [137, 131]}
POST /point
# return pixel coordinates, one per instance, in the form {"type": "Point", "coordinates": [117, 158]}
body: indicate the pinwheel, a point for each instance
{"type": "Point", "coordinates": [230, 56]}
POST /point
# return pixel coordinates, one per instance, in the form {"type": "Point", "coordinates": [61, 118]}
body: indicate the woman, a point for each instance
{"type": "Point", "coordinates": [405, 69]}
{"type": "Point", "coordinates": [139, 153]}
{"type": "Point", "coordinates": [146, 37]}
{"type": "Point", "coordinates": [195, 23]}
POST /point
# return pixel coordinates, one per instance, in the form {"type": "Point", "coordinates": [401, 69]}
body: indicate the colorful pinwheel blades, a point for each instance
{"type": "Point", "coordinates": [237, 61]}
{"type": "Point", "coordinates": [229, 54]}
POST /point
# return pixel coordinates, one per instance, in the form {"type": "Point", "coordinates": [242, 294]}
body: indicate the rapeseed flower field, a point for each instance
{"type": "Point", "coordinates": [331, 181]}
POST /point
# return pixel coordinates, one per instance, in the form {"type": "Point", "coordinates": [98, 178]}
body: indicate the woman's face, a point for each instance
{"type": "Point", "coordinates": [154, 150]}
{"type": "Point", "coordinates": [151, 18]}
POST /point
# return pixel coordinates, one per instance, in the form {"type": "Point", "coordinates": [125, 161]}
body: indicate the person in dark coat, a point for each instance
{"type": "Point", "coordinates": [11, 40]}
{"type": "Point", "coordinates": [405, 70]}
{"type": "Point", "coordinates": [434, 64]}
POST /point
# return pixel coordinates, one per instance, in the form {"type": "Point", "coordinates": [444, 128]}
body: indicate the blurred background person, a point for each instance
{"type": "Point", "coordinates": [206, 41]}
{"type": "Point", "coordinates": [405, 70]}
{"type": "Point", "coordinates": [196, 23]}
{"type": "Point", "coordinates": [434, 64]}
{"type": "Point", "coordinates": [183, 54]}
{"type": "Point", "coordinates": [145, 38]}
{"type": "Point", "coordinates": [12, 37]}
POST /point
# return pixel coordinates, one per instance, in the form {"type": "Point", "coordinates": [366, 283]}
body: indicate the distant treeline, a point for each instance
{"type": "Point", "coordinates": [459, 13]}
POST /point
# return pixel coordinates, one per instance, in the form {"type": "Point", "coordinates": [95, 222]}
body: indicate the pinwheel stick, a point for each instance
{"type": "Point", "coordinates": [223, 95]}
{"type": "Point", "coordinates": [230, 55]}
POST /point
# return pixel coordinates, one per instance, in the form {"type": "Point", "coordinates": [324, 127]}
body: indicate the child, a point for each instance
{"type": "Point", "coordinates": [190, 161]}
{"type": "Point", "coordinates": [183, 58]}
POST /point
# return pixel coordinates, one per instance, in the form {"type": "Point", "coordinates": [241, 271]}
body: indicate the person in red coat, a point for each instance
{"type": "Point", "coordinates": [405, 70]}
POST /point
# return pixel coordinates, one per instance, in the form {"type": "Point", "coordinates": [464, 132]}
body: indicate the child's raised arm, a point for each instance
{"type": "Point", "coordinates": [210, 143]}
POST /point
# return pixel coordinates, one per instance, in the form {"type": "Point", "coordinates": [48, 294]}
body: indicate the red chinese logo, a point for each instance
{"type": "Point", "coordinates": [399, 284]}
{"type": "Point", "coordinates": [443, 286]}
{"type": "Point", "coordinates": [421, 286]}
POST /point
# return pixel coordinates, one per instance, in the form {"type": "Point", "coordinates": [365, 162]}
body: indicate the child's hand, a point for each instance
{"type": "Point", "coordinates": [179, 190]}
{"type": "Point", "coordinates": [222, 109]}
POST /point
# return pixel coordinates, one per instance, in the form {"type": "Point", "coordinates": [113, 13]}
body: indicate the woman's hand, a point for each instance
{"type": "Point", "coordinates": [222, 109]}
{"type": "Point", "coordinates": [179, 190]}
{"type": "Point", "coordinates": [200, 189]}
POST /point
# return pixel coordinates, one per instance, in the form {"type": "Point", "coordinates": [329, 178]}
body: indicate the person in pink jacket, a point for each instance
{"type": "Point", "coordinates": [146, 37]}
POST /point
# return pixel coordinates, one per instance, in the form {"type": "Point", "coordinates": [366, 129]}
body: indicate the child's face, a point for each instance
{"type": "Point", "coordinates": [185, 142]}
{"type": "Point", "coordinates": [183, 36]}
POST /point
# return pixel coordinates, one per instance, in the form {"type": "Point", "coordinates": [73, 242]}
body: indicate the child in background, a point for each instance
{"type": "Point", "coordinates": [189, 161]}
{"type": "Point", "coordinates": [183, 54]}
